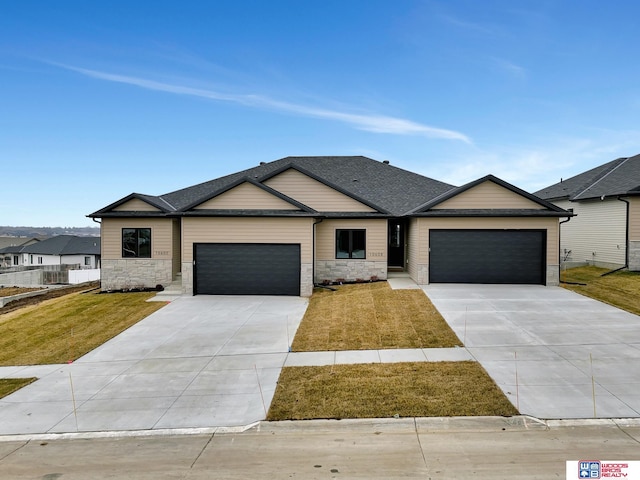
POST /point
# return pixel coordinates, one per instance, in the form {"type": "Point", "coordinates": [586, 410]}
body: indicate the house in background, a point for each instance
{"type": "Point", "coordinates": [283, 226]}
{"type": "Point", "coordinates": [10, 248]}
{"type": "Point", "coordinates": [606, 201]}
{"type": "Point", "coordinates": [59, 250]}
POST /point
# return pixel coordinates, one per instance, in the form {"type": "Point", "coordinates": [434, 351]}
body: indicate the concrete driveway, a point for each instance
{"type": "Point", "coordinates": [554, 353]}
{"type": "Point", "coordinates": [200, 361]}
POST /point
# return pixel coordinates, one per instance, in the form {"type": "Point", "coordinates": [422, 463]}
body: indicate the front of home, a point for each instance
{"type": "Point", "coordinates": [284, 226]}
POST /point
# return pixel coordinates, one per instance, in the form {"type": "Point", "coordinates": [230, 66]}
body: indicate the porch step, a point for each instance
{"type": "Point", "coordinates": [397, 274]}
{"type": "Point", "coordinates": [170, 293]}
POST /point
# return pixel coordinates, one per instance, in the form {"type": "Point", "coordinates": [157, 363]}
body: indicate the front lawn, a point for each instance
{"type": "Point", "coordinates": [371, 316]}
{"type": "Point", "coordinates": [412, 389]}
{"type": "Point", "coordinates": [10, 385]}
{"type": "Point", "coordinates": [620, 289]}
{"type": "Point", "coordinates": [65, 328]}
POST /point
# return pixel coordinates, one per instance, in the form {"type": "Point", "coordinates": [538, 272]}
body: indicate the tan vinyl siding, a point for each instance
{"type": "Point", "coordinates": [424, 224]}
{"type": "Point", "coordinates": [177, 263]}
{"type": "Point", "coordinates": [599, 228]}
{"type": "Point", "coordinates": [314, 194]}
{"type": "Point", "coordinates": [634, 219]}
{"type": "Point", "coordinates": [376, 238]}
{"type": "Point", "coordinates": [136, 205]}
{"type": "Point", "coordinates": [413, 247]}
{"type": "Point", "coordinates": [246, 197]}
{"type": "Point", "coordinates": [161, 236]}
{"type": "Point", "coordinates": [247, 230]}
{"type": "Point", "coordinates": [488, 195]}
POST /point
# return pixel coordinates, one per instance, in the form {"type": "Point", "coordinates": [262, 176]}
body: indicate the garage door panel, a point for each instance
{"type": "Point", "coordinates": [487, 256]}
{"type": "Point", "coordinates": [247, 269]}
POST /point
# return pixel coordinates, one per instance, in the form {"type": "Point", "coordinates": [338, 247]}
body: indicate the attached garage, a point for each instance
{"type": "Point", "coordinates": [487, 256]}
{"type": "Point", "coordinates": [246, 269]}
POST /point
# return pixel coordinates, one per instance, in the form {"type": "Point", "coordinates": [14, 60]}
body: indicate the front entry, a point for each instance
{"type": "Point", "coordinates": [395, 251]}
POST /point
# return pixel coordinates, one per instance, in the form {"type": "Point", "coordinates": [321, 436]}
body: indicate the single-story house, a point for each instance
{"type": "Point", "coordinates": [283, 226]}
{"type": "Point", "coordinates": [10, 248]}
{"type": "Point", "coordinates": [606, 201]}
{"type": "Point", "coordinates": [58, 250]}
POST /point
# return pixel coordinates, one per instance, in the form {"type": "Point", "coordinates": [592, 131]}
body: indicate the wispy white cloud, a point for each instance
{"type": "Point", "coordinates": [509, 67]}
{"type": "Point", "coordinates": [532, 167]}
{"type": "Point", "coordinates": [362, 121]}
{"type": "Point", "coordinates": [467, 25]}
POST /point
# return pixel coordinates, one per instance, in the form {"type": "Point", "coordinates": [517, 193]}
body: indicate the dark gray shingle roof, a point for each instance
{"type": "Point", "coordinates": [386, 187]}
{"type": "Point", "coordinates": [618, 177]}
{"type": "Point", "coordinates": [65, 245]}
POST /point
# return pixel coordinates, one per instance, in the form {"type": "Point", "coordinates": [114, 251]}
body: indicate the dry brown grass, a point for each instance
{"type": "Point", "coordinates": [371, 316]}
{"type": "Point", "coordinates": [413, 389]}
{"type": "Point", "coordinates": [620, 289]}
{"type": "Point", "coordinates": [8, 291]}
{"type": "Point", "coordinates": [65, 328]}
{"type": "Point", "coordinates": [10, 385]}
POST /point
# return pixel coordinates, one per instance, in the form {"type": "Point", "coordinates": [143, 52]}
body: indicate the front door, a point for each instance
{"type": "Point", "coordinates": [395, 253]}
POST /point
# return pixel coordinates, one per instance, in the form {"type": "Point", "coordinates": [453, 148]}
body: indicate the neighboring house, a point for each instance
{"type": "Point", "coordinates": [283, 226]}
{"type": "Point", "coordinates": [606, 201]}
{"type": "Point", "coordinates": [59, 250]}
{"type": "Point", "coordinates": [10, 248]}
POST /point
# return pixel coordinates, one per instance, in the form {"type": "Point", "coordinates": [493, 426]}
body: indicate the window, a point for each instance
{"type": "Point", "coordinates": [136, 242]}
{"type": "Point", "coordinates": [31, 259]}
{"type": "Point", "coordinates": [87, 261]}
{"type": "Point", "coordinates": [39, 260]}
{"type": "Point", "coordinates": [15, 259]}
{"type": "Point", "coordinates": [351, 244]}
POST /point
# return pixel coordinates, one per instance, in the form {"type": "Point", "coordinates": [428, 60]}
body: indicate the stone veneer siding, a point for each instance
{"type": "Point", "coordinates": [553, 275]}
{"type": "Point", "coordinates": [306, 283]}
{"type": "Point", "coordinates": [634, 256]}
{"type": "Point", "coordinates": [187, 278]}
{"type": "Point", "coordinates": [349, 270]}
{"type": "Point", "coordinates": [135, 273]}
{"type": "Point", "coordinates": [421, 274]}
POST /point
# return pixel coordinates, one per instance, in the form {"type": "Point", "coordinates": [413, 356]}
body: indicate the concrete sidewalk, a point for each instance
{"type": "Point", "coordinates": [198, 362]}
{"type": "Point", "coordinates": [483, 448]}
{"type": "Point", "coordinates": [554, 353]}
{"type": "Point", "coordinates": [209, 361]}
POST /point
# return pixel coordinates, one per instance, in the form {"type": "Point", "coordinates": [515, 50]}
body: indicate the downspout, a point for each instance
{"type": "Point", "coordinates": [560, 248]}
{"type": "Point", "coordinates": [626, 241]}
{"type": "Point", "coordinates": [99, 223]}
{"type": "Point", "coordinates": [560, 238]}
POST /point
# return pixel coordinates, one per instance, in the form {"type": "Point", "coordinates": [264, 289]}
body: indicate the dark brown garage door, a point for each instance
{"type": "Point", "coordinates": [487, 256]}
{"type": "Point", "coordinates": [246, 269]}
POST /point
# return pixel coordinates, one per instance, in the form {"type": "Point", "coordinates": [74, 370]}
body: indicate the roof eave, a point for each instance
{"type": "Point", "coordinates": [495, 213]}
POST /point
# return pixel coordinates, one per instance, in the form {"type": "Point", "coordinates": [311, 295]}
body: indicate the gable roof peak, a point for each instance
{"type": "Point", "coordinates": [487, 178]}
{"type": "Point", "coordinates": [617, 177]}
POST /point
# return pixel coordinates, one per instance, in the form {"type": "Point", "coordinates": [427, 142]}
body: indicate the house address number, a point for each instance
{"type": "Point", "coordinates": [376, 254]}
{"type": "Point", "coordinates": [161, 253]}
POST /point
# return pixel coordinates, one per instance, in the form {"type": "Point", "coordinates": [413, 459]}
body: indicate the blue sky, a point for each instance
{"type": "Point", "coordinates": [102, 99]}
